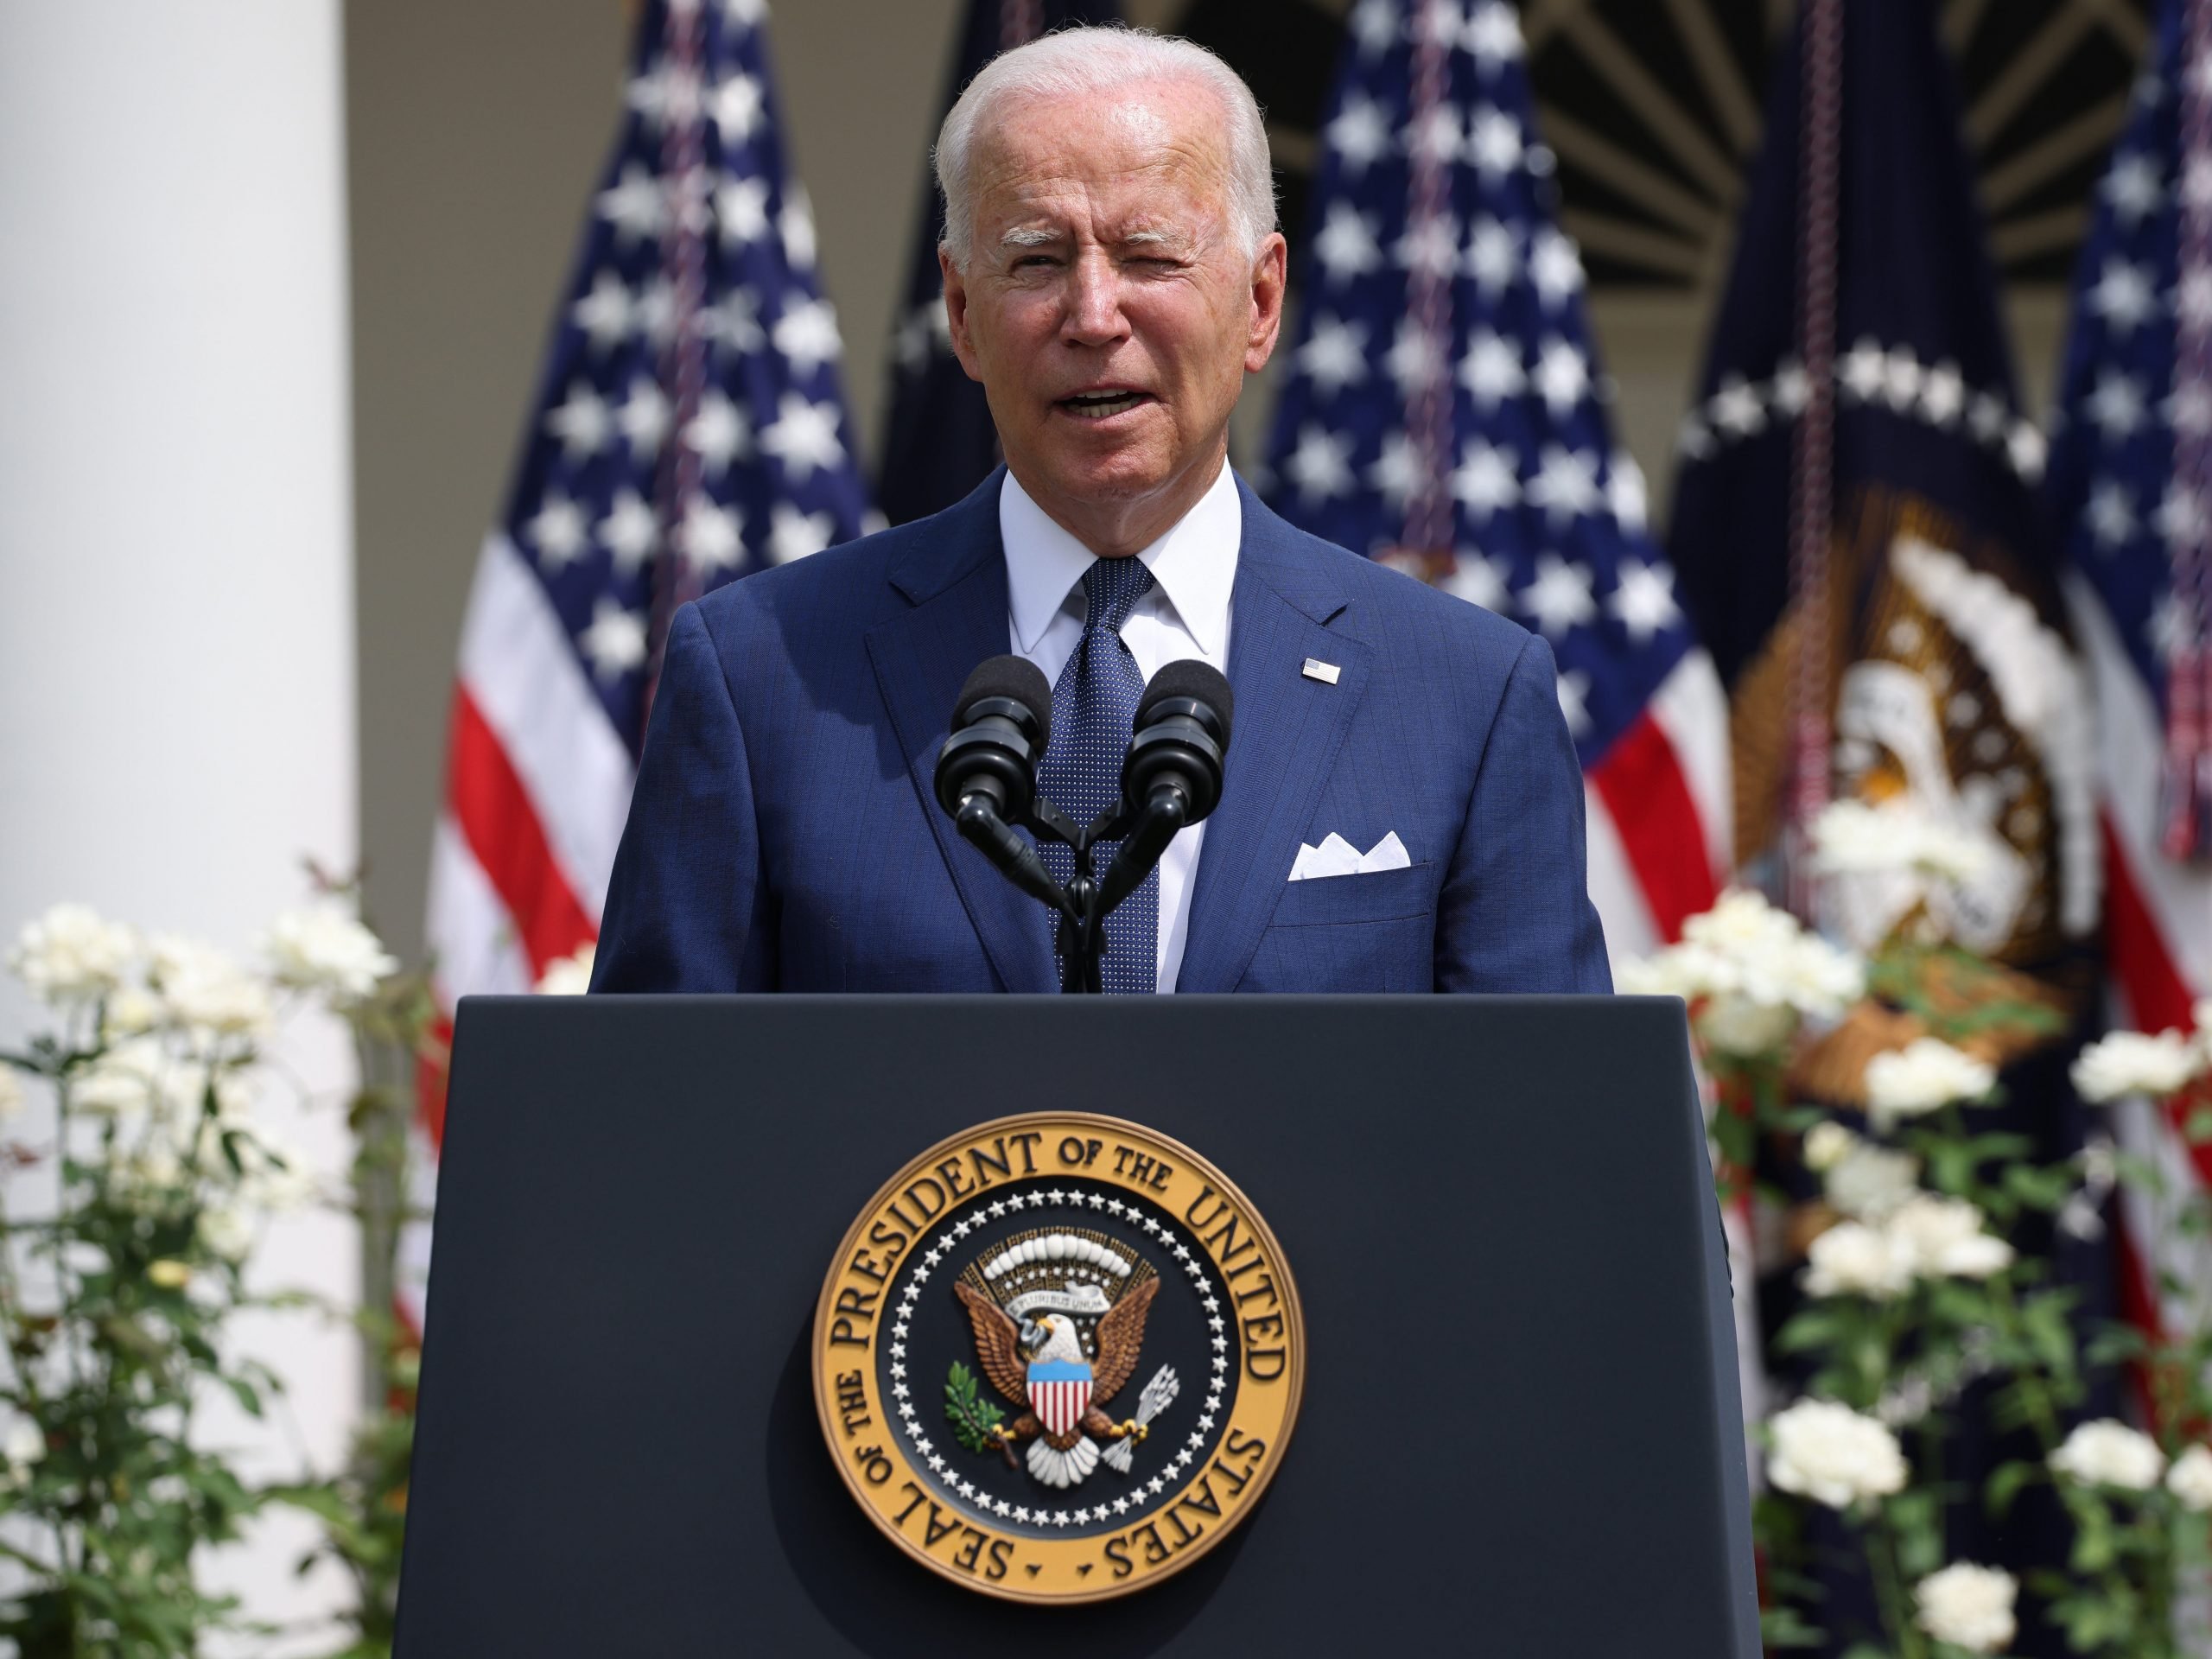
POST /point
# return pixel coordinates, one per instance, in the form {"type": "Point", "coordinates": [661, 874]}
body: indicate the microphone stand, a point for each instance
{"type": "Point", "coordinates": [1089, 900]}
{"type": "Point", "coordinates": [1084, 903]}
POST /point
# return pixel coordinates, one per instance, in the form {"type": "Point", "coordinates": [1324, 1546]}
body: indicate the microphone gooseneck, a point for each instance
{"type": "Point", "coordinates": [1172, 775]}
{"type": "Point", "coordinates": [986, 781]}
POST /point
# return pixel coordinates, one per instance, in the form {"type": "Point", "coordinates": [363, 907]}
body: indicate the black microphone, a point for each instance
{"type": "Point", "coordinates": [1172, 775]}
{"type": "Point", "coordinates": [987, 771]}
{"type": "Point", "coordinates": [1179, 738]}
{"type": "Point", "coordinates": [1001, 725]}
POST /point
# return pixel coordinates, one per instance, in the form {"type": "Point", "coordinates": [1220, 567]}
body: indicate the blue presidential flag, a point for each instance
{"type": "Point", "coordinates": [1918, 625]}
{"type": "Point", "coordinates": [938, 440]}
{"type": "Point", "coordinates": [1443, 411]}
{"type": "Point", "coordinates": [1857, 527]}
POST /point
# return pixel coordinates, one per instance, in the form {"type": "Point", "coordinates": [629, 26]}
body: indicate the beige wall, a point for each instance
{"type": "Point", "coordinates": [476, 131]}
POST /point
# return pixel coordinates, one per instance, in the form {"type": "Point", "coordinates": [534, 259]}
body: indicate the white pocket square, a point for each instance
{"type": "Point", "coordinates": [1337, 857]}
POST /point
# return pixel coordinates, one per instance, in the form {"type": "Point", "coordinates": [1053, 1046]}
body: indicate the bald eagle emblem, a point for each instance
{"type": "Point", "coordinates": [1058, 1317]}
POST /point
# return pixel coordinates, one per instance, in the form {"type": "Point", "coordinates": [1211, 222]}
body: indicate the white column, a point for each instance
{"type": "Point", "coordinates": [176, 672]}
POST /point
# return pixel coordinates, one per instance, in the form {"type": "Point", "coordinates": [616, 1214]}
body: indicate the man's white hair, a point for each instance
{"type": "Point", "coordinates": [1073, 61]}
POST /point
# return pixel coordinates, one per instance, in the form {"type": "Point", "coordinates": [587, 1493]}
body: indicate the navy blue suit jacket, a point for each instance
{"type": "Point", "coordinates": [784, 837]}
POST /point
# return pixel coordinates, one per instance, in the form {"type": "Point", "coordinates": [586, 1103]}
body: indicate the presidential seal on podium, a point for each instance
{"type": "Point", "coordinates": [1057, 1357]}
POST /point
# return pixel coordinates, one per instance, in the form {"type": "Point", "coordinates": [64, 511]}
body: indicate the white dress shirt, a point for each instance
{"type": "Point", "coordinates": [1185, 614]}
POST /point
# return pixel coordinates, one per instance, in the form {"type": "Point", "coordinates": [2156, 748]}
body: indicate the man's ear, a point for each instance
{"type": "Point", "coordinates": [956, 314]}
{"type": "Point", "coordinates": [1269, 275]}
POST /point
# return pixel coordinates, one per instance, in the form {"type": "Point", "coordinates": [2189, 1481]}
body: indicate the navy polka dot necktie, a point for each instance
{"type": "Point", "coordinates": [1093, 704]}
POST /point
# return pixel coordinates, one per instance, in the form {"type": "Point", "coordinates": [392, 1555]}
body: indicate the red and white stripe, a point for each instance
{"type": "Point", "coordinates": [537, 787]}
{"type": "Point", "coordinates": [1060, 1405]}
{"type": "Point", "coordinates": [2158, 942]}
{"type": "Point", "coordinates": [1661, 813]}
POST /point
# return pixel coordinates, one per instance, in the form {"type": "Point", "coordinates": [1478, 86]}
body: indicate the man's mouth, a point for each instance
{"type": "Point", "coordinates": [1098, 406]}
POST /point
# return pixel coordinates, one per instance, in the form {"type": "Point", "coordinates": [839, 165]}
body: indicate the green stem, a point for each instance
{"type": "Point", "coordinates": [1889, 1592]}
{"type": "Point", "coordinates": [2043, 1409]}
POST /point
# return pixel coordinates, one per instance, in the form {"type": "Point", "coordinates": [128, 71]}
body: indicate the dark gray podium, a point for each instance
{"type": "Point", "coordinates": [1519, 1437]}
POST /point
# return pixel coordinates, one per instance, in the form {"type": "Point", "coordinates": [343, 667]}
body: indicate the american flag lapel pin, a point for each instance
{"type": "Point", "coordinates": [1315, 669]}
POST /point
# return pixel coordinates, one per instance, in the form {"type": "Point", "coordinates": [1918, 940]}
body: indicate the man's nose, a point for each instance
{"type": "Point", "coordinates": [1093, 308]}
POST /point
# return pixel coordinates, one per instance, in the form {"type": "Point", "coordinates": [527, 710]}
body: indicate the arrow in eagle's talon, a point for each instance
{"type": "Point", "coordinates": [1158, 1395]}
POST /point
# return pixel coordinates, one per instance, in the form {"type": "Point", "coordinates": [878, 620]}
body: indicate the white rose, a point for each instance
{"type": "Point", "coordinates": [1851, 835]}
{"type": "Point", "coordinates": [277, 1177]}
{"type": "Point", "coordinates": [1741, 925]}
{"type": "Point", "coordinates": [205, 990]}
{"type": "Point", "coordinates": [570, 975]}
{"type": "Point", "coordinates": [24, 1443]}
{"type": "Point", "coordinates": [325, 948]}
{"type": "Point", "coordinates": [2109, 1454]}
{"type": "Point", "coordinates": [1923, 1077]}
{"type": "Point", "coordinates": [69, 954]}
{"type": "Point", "coordinates": [2130, 1063]}
{"type": "Point", "coordinates": [1828, 1143]}
{"type": "Point", "coordinates": [1940, 1238]}
{"type": "Point", "coordinates": [1773, 960]}
{"type": "Point", "coordinates": [1856, 838]}
{"type": "Point", "coordinates": [2191, 1479]}
{"type": "Point", "coordinates": [1832, 1455]}
{"type": "Point", "coordinates": [1659, 975]}
{"type": "Point", "coordinates": [134, 1076]}
{"type": "Point", "coordinates": [1870, 1181]}
{"type": "Point", "coordinates": [1969, 1607]}
{"type": "Point", "coordinates": [132, 1012]}
{"type": "Point", "coordinates": [1851, 1259]}
{"type": "Point", "coordinates": [1819, 981]}
{"type": "Point", "coordinates": [11, 1094]}
{"type": "Point", "coordinates": [1736, 1024]}
{"type": "Point", "coordinates": [225, 1232]}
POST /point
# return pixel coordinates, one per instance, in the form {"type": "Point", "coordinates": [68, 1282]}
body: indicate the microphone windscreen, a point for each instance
{"type": "Point", "coordinates": [1014, 677]}
{"type": "Point", "coordinates": [1192, 678]}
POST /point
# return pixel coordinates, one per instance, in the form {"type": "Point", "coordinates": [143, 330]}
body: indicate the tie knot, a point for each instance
{"type": "Point", "coordinates": [1111, 588]}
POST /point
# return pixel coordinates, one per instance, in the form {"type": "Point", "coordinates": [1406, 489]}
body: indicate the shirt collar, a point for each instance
{"type": "Point", "coordinates": [1194, 563]}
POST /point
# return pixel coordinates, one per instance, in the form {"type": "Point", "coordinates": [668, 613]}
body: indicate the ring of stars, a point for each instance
{"type": "Point", "coordinates": [1176, 1248]}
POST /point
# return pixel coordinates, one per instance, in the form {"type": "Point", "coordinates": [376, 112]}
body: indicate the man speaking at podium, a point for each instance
{"type": "Point", "coordinates": [1401, 808]}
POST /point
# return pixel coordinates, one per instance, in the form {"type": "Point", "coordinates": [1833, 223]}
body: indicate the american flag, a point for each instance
{"type": "Point", "coordinates": [1443, 411]}
{"type": "Point", "coordinates": [2131, 483]}
{"type": "Point", "coordinates": [689, 428]}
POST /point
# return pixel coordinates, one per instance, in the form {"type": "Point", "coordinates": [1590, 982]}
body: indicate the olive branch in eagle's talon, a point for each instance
{"type": "Point", "coordinates": [976, 1422]}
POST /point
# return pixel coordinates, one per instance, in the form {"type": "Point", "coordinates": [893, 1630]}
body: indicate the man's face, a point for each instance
{"type": "Point", "coordinates": [1107, 307]}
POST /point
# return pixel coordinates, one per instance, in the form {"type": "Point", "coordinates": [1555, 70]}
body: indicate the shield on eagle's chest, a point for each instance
{"type": "Point", "coordinates": [1059, 1392]}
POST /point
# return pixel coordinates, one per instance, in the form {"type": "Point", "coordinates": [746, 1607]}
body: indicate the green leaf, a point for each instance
{"type": "Point", "coordinates": [2005, 1484]}
{"type": "Point", "coordinates": [972, 1417]}
{"type": "Point", "coordinates": [1784, 1627]}
{"type": "Point", "coordinates": [246, 1393]}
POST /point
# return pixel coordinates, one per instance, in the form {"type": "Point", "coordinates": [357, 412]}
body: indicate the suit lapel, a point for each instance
{"type": "Point", "coordinates": [956, 586]}
{"type": "Point", "coordinates": [1288, 730]}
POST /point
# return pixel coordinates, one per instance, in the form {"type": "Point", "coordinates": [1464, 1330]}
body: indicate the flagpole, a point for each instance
{"type": "Point", "coordinates": [1019, 23]}
{"type": "Point", "coordinates": [1812, 480]}
{"type": "Point", "coordinates": [684, 259]}
{"type": "Point", "coordinates": [2186, 783]}
{"type": "Point", "coordinates": [1427, 537]}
